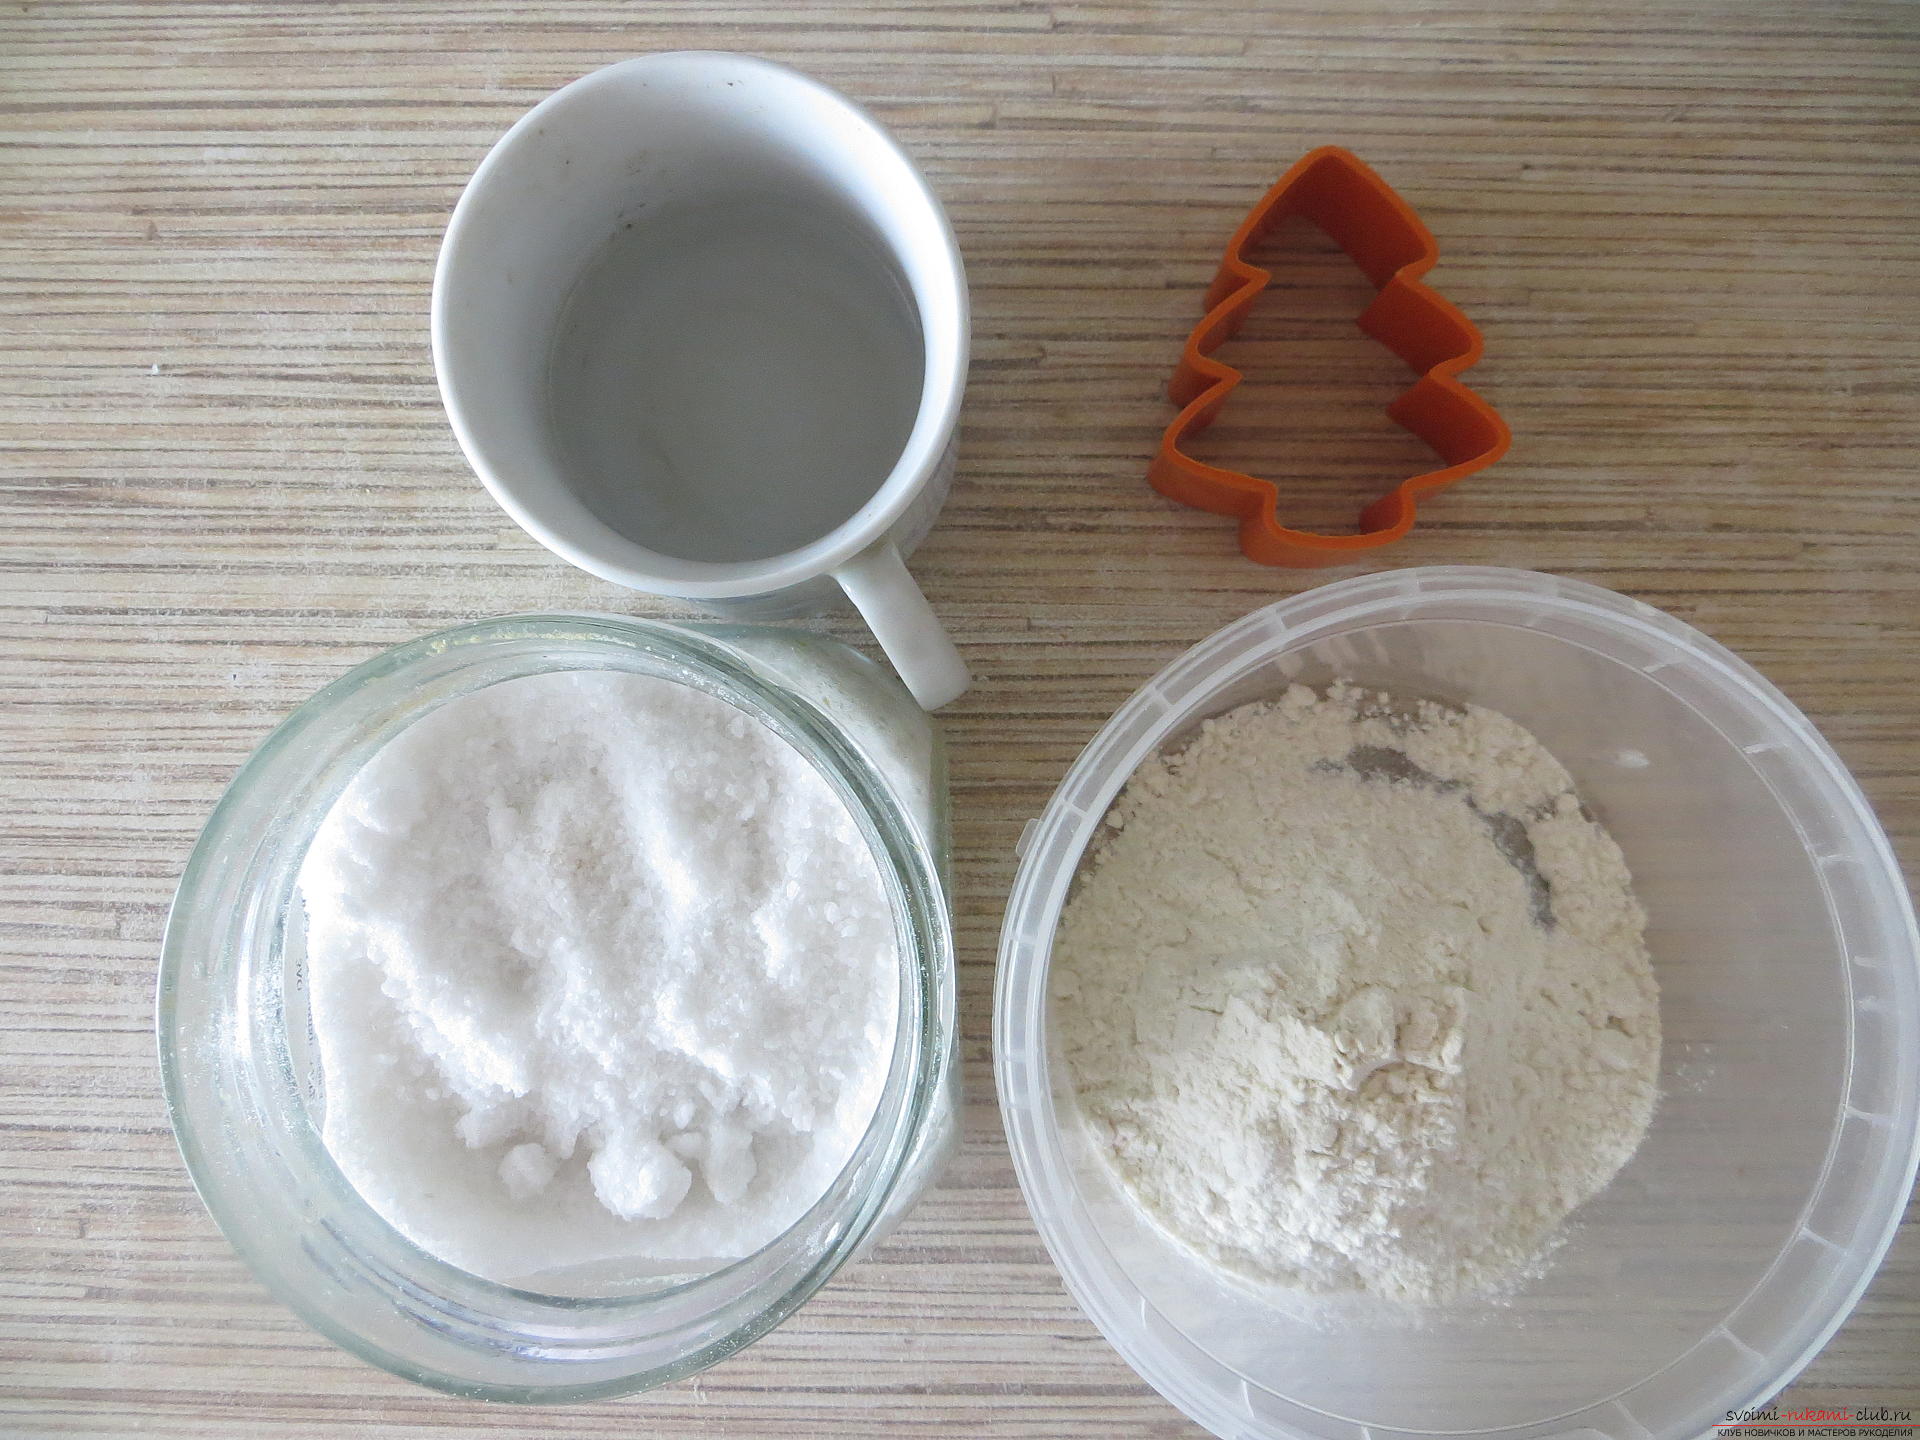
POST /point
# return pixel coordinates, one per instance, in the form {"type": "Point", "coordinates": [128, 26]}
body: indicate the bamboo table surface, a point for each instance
{"type": "Point", "coordinates": [1690, 231]}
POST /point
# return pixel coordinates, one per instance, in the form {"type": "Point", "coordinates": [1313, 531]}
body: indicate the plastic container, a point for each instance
{"type": "Point", "coordinates": [234, 1035]}
{"type": "Point", "coordinates": [1783, 1151]}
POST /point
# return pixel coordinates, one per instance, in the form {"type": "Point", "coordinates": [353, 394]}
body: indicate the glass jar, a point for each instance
{"type": "Point", "coordinates": [237, 1055]}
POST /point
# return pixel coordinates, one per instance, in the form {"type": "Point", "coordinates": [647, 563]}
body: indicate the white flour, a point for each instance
{"type": "Point", "coordinates": [1355, 997]}
{"type": "Point", "coordinates": [600, 969]}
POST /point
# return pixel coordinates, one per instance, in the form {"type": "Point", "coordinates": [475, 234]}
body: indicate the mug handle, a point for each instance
{"type": "Point", "coordinates": [877, 582]}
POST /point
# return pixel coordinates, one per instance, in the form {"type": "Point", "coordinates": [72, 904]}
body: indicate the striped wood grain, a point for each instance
{"type": "Point", "coordinates": [1690, 231]}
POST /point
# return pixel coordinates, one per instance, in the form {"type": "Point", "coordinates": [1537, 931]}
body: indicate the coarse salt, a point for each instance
{"type": "Point", "coordinates": [602, 972]}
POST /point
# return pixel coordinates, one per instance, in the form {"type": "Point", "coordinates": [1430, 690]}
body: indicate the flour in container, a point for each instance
{"type": "Point", "coordinates": [601, 971]}
{"type": "Point", "coordinates": [1355, 997]}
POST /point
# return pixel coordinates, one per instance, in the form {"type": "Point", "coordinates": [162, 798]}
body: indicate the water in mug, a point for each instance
{"type": "Point", "coordinates": [734, 381]}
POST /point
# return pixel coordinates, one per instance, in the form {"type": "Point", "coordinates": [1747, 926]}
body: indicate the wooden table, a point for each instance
{"type": "Point", "coordinates": [1691, 232]}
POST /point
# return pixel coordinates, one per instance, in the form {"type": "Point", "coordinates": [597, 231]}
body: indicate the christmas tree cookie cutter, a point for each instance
{"type": "Point", "coordinates": [1380, 232]}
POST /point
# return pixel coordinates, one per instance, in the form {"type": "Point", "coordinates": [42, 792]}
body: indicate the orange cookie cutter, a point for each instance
{"type": "Point", "coordinates": [1380, 232]}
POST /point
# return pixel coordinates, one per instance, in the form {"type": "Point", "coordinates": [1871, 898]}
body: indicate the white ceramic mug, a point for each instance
{"type": "Point", "coordinates": [701, 329]}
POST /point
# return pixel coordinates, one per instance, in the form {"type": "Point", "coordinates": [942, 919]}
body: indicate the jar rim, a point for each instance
{"type": "Point", "coordinates": [248, 1138]}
